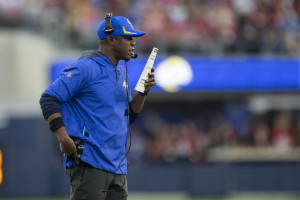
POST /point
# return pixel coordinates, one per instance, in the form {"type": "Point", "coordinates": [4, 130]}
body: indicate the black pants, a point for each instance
{"type": "Point", "coordinates": [94, 184]}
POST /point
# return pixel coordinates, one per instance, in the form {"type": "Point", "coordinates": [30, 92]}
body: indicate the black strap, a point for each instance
{"type": "Point", "coordinates": [56, 124]}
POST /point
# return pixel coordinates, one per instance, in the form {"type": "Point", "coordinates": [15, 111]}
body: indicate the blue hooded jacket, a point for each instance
{"type": "Point", "coordinates": [94, 95]}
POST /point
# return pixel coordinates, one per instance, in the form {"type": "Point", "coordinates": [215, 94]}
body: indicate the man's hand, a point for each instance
{"type": "Point", "coordinates": [137, 102]}
{"type": "Point", "coordinates": [67, 146]}
{"type": "Point", "coordinates": [150, 82]}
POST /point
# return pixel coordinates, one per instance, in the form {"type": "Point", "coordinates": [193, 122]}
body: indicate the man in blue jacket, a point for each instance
{"type": "Point", "coordinates": [89, 108]}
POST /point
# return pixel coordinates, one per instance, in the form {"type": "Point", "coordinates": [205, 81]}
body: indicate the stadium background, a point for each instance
{"type": "Point", "coordinates": [222, 123]}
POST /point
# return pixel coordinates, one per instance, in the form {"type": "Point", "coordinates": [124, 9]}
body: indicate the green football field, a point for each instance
{"type": "Point", "coordinates": [170, 196]}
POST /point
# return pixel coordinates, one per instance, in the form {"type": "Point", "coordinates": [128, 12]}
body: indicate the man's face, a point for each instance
{"type": "Point", "coordinates": [123, 47]}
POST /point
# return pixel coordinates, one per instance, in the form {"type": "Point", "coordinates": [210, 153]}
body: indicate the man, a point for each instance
{"type": "Point", "coordinates": [89, 108]}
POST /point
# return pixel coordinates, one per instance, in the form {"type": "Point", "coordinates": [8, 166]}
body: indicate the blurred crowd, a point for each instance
{"type": "Point", "coordinates": [209, 27]}
{"type": "Point", "coordinates": [181, 136]}
{"type": "Point", "coordinates": [189, 27]}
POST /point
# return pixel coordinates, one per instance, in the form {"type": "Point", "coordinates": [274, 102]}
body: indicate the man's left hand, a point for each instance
{"type": "Point", "coordinates": [150, 82]}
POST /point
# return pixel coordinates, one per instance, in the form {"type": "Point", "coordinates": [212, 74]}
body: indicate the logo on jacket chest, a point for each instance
{"type": "Point", "coordinates": [125, 85]}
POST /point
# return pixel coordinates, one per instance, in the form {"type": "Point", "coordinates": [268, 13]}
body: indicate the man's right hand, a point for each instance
{"type": "Point", "coordinates": [68, 147]}
{"type": "Point", "coordinates": [66, 144]}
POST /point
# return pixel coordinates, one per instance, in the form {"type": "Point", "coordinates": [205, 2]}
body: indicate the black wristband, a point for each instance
{"type": "Point", "coordinates": [144, 94]}
{"type": "Point", "coordinates": [56, 124]}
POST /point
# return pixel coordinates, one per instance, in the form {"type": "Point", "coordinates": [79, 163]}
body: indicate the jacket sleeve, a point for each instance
{"type": "Point", "coordinates": [49, 105]}
{"type": "Point", "coordinates": [68, 84]}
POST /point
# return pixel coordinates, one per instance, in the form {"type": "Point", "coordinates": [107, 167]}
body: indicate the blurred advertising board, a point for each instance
{"type": "Point", "coordinates": [211, 74]}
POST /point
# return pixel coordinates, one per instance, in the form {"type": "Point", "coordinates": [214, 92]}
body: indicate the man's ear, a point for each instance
{"type": "Point", "coordinates": [110, 40]}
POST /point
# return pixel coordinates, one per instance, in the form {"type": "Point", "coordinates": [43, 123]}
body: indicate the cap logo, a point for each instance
{"type": "Point", "coordinates": [127, 32]}
{"type": "Point", "coordinates": [129, 22]}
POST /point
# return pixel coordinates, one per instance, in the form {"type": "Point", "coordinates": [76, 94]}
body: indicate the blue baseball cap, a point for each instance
{"type": "Point", "coordinates": [121, 25]}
